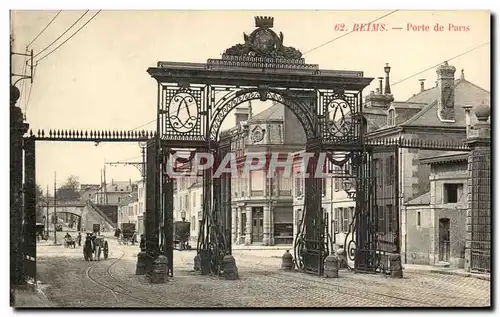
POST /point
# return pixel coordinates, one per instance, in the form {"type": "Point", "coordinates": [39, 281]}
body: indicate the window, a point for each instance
{"type": "Point", "coordinates": [119, 198]}
{"type": "Point", "coordinates": [390, 218]}
{"type": "Point", "coordinates": [243, 223]}
{"type": "Point", "coordinates": [298, 218]}
{"type": "Point", "coordinates": [337, 180]}
{"type": "Point", "coordinates": [193, 222]}
{"type": "Point", "coordinates": [418, 218]}
{"type": "Point", "coordinates": [337, 220]}
{"type": "Point", "coordinates": [323, 186]}
{"type": "Point", "coordinates": [345, 219]}
{"type": "Point", "coordinates": [390, 169]}
{"type": "Point", "coordinates": [391, 117]}
{"type": "Point", "coordinates": [194, 201]}
{"type": "Point", "coordinates": [298, 185]}
{"type": "Point", "coordinates": [381, 219]}
{"type": "Point", "coordinates": [450, 194]}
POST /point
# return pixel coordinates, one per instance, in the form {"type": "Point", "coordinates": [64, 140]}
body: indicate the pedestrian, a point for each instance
{"type": "Point", "coordinates": [134, 237]}
{"type": "Point", "coordinates": [79, 239]}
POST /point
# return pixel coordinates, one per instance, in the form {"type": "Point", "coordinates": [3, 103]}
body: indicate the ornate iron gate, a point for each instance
{"type": "Point", "coordinates": [481, 210]}
{"type": "Point", "coordinates": [194, 99]}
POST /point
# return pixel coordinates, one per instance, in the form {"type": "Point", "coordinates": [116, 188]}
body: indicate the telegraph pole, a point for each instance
{"type": "Point", "coordinates": [55, 209]}
{"type": "Point", "coordinates": [47, 212]}
{"type": "Point", "coordinates": [105, 187]}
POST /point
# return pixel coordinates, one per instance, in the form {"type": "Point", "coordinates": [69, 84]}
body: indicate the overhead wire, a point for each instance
{"type": "Point", "coordinates": [72, 25]}
{"type": "Point", "coordinates": [45, 28]}
{"type": "Point", "coordinates": [76, 32]}
{"type": "Point", "coordinates": [436, 65]}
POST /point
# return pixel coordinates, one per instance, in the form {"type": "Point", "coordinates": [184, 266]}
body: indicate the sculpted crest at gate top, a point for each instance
{"type": "Point", "coordinates": [264, 42]}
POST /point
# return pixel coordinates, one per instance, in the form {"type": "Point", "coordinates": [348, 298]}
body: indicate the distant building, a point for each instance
{"type": "Point", "coordinates": [88, 191]}
{"type": "Point", "coordinates": [434, 224]}
{"type": "Point", "coordinates": [113, 193]}
{"type": "Point", "coordinates": [188, 204]}
{"type": "Point", "coordinates": [131, 208]}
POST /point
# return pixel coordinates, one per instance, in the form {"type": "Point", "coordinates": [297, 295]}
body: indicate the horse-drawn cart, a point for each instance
{"type": "Point", "coordinates": [128, 233]}
{"type": "Point", "coordinates": [94, 246]}
{"type": "Point", "coordinates": [181, 235]}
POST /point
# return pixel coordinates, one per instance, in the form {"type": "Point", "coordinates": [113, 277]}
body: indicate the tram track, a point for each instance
{"type": "Point", "coordinates": [117, 288]}
{"type": "Point", "coordinates": [350, 291]}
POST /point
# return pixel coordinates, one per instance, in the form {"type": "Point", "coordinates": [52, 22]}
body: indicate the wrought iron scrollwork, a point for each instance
{"type": "Point", "coordinates": [303, 113]}
{"type": "Point", "coordinates": [187, 102]}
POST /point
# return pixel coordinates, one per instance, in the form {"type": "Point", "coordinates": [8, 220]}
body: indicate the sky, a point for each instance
{"type": "Point", "coordinates": [98, 79]}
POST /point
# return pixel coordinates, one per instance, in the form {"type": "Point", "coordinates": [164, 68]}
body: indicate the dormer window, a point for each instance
{"type": "Point", "coordinates": [391, 117]}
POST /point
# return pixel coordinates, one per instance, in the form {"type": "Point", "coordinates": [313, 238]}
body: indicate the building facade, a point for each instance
{"type": "Point", "coordinates": [132, 206]}
{"type": "Point", "coordinates": [434, 224]}
{"type": "Point", "coordinates": [113, 193]}
{"type": "Point", "coordinates": [433, 114]}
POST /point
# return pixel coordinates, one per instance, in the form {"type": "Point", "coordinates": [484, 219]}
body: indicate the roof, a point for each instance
{"type": "Point", "coordinates": [132, 197]}
{"type": "Point", "coordinates": [424, 199]}
{"type": "Point", "coordinates": [449, 156]}
{"type": "Point", "coordinates": [466, 93]}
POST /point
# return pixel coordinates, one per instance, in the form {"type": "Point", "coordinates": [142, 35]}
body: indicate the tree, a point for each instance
{"type": "Point", "coordinates": [70, 190]}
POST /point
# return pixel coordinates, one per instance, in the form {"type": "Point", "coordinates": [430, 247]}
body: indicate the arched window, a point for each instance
{"type": "Point", "coordinates": [391, 117]}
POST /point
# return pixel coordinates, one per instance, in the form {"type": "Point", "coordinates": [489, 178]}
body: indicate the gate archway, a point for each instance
{"type": "Point", "coordinates": [194, 99]}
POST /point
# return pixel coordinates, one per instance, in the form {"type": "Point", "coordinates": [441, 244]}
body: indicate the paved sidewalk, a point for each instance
{"type": "Point", "coordinates": [443, 270]}
{"type": "Point", "coordinates": [27, 298]}
{"type": "Point", "coordinates": [263, 247]}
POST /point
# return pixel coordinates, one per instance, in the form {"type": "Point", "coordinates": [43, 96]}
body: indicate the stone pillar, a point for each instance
{"type": "Point", "coordinates": [234, 224]}
{"type": "Point", "coordinates": [271, 226]}
{"type": "Point", "coordinates": [267, 225]}
{"type": "Point", "coordinates": [248, 234]}
{"type": "Point", "coordinates": [240, 225]}
{"type": "Point", "coordinates": [479, 162]}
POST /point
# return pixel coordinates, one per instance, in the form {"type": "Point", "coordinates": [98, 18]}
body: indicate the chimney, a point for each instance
{"type": "Point", "coordinates": [422, 87]}
{"type": "Point", "coordinates": [380, 89]}
{"type": "Point", "coordinates": [467, 120]}
{"type": "Point", "coordinates": [387, 70]}
{"type": "Point", "coordinates": [446, 89]}
{"type": "Point", "coordinates": [462, 75]}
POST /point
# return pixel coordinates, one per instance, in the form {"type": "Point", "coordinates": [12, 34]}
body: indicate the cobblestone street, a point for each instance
{"type": "Point", "coordinates": [66, 280]}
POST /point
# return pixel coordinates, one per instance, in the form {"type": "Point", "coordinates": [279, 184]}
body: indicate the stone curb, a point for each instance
{"type": "Point", "coordinates": [463, 274]}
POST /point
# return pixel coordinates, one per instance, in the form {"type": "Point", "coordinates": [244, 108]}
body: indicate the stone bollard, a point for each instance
{"type": "Point", "coordinates": [395, 266]}
{"type": "Point", "coordinates": [331, 266]}
{"type": "Point", "coordinates": [341, 258]}
{"type": "Point", "coordinates": [140, 268]}
{"type": "Point", "coordinates": [287, 261]}
{"type": "Point", "coordinates": [197, 266]}
{"type": "Point", "coordinates": [229, 269]}
{"type": "Point", "coordinates": [160, 270]}
{"type": "Point", "coordinates": [204, 262]}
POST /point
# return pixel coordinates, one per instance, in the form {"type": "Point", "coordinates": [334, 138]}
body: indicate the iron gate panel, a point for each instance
{"type": "Point", "coordinates": [167, 190]}
{"type": "Point", "coordinates": [377, 209]}
{"type": "Point", "coordinates": [312, 246]}
{"type": "Point", "coordinates": [29, 241]}
{"type": "Point", "coordinates": [151, 219]}
{"type": "Point", "coordinates": [481, 210]}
